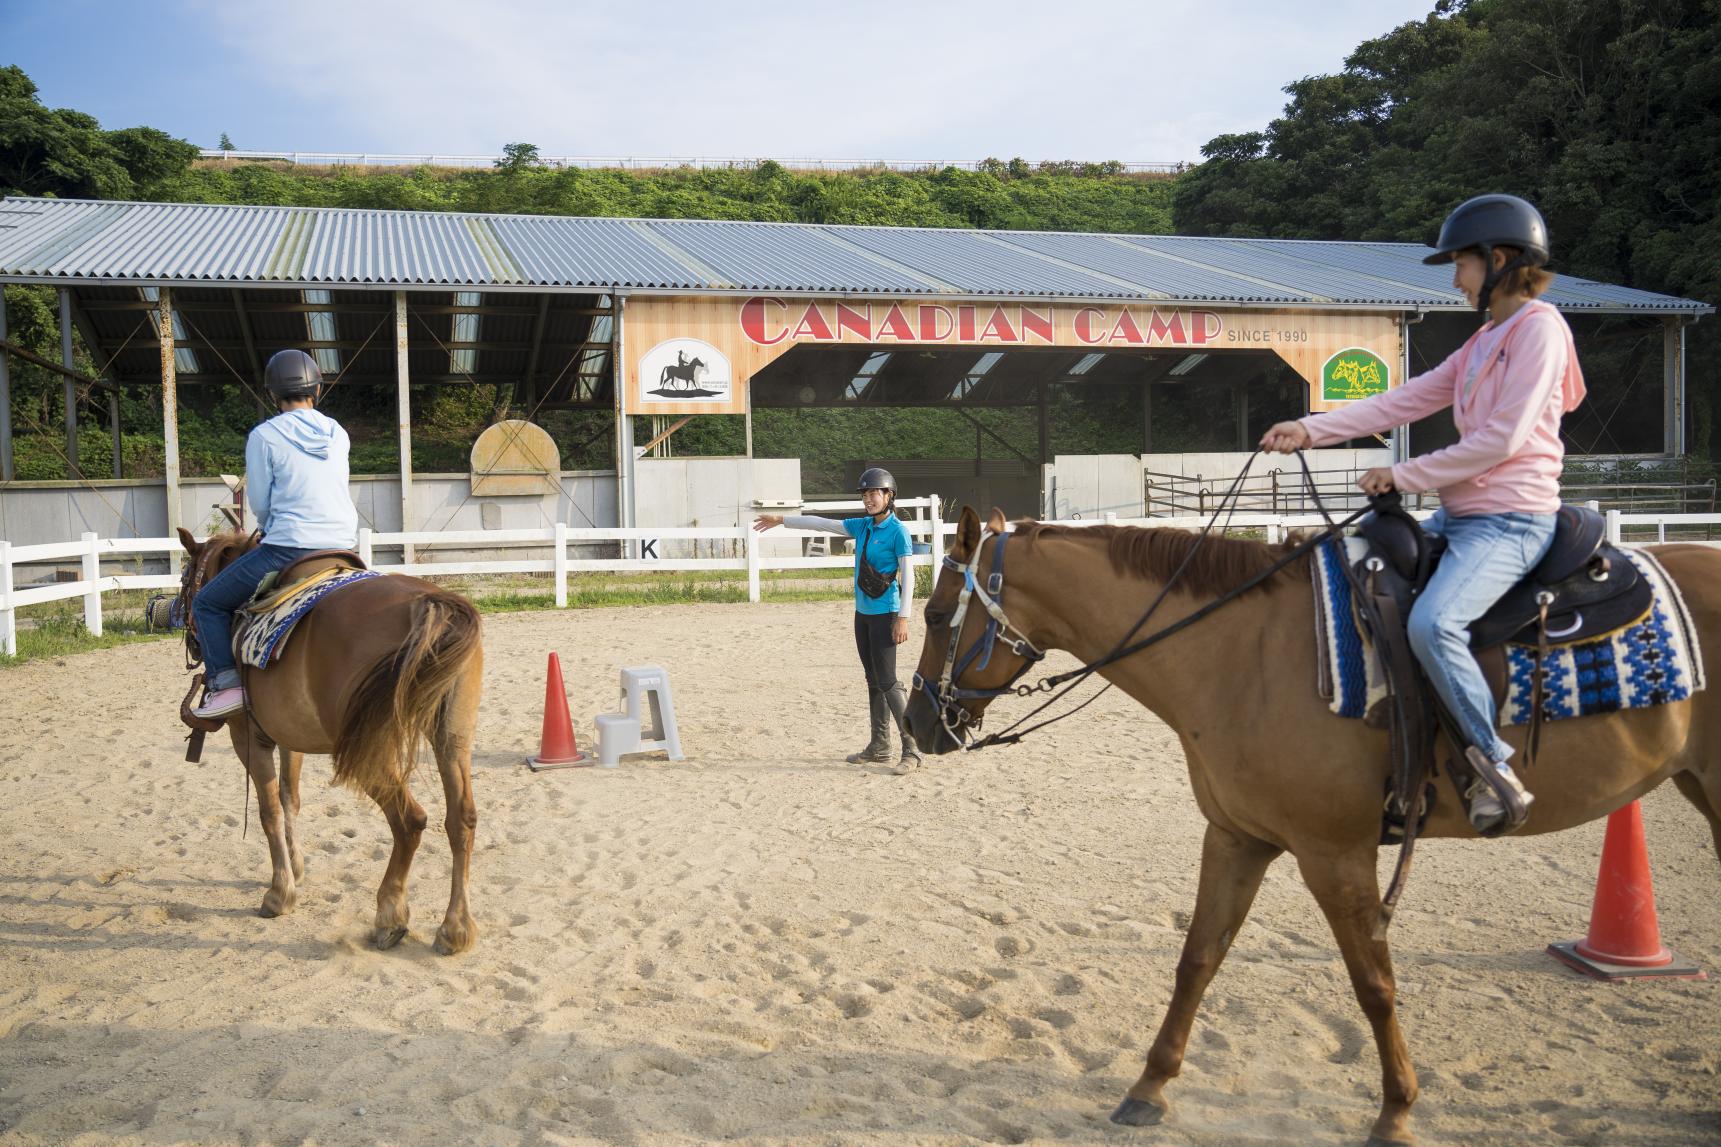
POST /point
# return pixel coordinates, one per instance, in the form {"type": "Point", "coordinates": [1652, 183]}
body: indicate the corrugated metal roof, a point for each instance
{"type": "Point", "coordinates": [54, 241]}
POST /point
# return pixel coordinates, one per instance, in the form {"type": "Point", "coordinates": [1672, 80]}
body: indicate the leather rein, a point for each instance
{"type": "Point", "coordinates": [947, 693]}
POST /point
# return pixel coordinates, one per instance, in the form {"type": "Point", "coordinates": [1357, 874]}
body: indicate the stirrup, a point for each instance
{"type": "Point", "coordinates": [1499, 781]}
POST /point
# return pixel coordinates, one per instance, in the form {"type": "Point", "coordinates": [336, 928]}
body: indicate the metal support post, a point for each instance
{"type": "Point", "coordinates": [5, 399]}
{"type": "Point", "coordinates": [71, 387]}
{"type": "Point", "coordinates": [1147, 419]}
{"type": "Point", "coordinates": [1673, 386]}
{"type": "Point", "coordinates": [169, 415]}
{"type": "Point", "coordinates": [403, 409]}
{"type": "Point", "coordinates": [114, 426]}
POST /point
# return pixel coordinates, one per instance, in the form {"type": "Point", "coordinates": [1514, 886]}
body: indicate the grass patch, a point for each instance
{"type": "Point", "coordinates": [59, 636]}
{"type": "Point", "coordinates": [56, 629]}
{"type": "Point", "coordinates": [647, 592]}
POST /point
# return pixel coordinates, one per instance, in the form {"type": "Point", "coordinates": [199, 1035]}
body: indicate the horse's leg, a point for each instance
{"type": "Point", "coordinates": [1346, 888]}
{"type": "Point", "coordinates": [1707, 800]}
{"type": "Point", "coordinates": [258, 754]}
{"type": "Point", "coordinates": [406, 820]}
{"type": "Point", "coordinates": [453, 746]}
{"type": "Point", "coordinates": [291, 763]}
{"type": "Point", "coordinates": [1232, 866]}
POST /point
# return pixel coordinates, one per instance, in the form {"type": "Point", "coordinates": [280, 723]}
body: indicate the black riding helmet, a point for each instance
{"type": "Point", "coordinates": [292, 374]}
{"type": "Point", "coordinates": [1487, 222]}
{"type": "Point", "coordinates": [878, 478]}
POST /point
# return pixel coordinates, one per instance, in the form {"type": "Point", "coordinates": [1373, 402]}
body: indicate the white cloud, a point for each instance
{"type": "Point", "coordinates": [897, 79]}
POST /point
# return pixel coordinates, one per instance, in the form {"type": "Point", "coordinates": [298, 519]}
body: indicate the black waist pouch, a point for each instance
{"type": "Point", "coordinates": [872, 583]}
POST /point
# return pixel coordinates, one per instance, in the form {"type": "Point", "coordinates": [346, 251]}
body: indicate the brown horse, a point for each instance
{"type": "Point", "coordinates": [1272, 768]}
{"type": "Point", "coordinates": [371, 669]}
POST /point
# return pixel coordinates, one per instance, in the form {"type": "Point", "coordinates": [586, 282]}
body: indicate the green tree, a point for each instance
{"type": "Point", "coordinates": [65, 153]}
{"type": "Point", "coordinates": [1605, 113]}
{"type": "Point", "coordinates": [517, 157]}
{"type": "Point", "coordinates": [226, 144]}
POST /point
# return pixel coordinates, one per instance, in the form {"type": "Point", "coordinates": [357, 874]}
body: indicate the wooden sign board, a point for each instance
{"type": "Point", "coordinates": [696, 355]}
{"type": "Point", "coordinates": [516, 457]}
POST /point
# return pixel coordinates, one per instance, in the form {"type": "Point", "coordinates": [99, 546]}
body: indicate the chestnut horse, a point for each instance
{"type": "Point", "coordinates": [1272, 768]}
{"type": "Point", "coordinates": [372, 668]}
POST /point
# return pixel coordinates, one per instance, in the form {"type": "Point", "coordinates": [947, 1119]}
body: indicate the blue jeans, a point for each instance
{"type": "Point", "coordinates": [216, 602]}
{"type": "Point", "coordinates": [1486, 555]}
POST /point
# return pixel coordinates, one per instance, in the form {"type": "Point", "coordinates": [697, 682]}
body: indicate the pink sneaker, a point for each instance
{"type": "Point", "coordinates": [222, 703]}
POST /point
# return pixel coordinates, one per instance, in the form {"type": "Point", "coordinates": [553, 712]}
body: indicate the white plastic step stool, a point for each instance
{"type": "Point", "coordinates": [644, 689]}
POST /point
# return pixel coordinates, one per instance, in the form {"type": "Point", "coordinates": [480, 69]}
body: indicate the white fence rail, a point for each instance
{"type": "Point", "coordinates": [926, 526]}
{"type": "Point", "coordinates": [90, 551]}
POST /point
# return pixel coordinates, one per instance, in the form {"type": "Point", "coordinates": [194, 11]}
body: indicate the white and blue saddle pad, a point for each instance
{"type": "Point", "coordinates": [263, 635]}
{"type": "Point", "coordinates": [1653, 661]}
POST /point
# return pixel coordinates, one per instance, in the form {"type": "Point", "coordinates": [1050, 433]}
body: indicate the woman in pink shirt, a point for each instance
{"type": "Point", "coordinates": [1499, 484]}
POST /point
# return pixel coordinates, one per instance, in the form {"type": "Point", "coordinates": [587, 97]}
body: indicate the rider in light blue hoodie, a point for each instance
{"type": "Point", "coordinates": [296, 482]}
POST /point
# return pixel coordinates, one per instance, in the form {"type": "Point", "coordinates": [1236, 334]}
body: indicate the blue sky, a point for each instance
{"type": "Point", "coordinates": [1145, 80]}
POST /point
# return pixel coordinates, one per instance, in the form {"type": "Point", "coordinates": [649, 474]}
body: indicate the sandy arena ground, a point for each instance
{"type": "Point", "coordinates": [763, 943]}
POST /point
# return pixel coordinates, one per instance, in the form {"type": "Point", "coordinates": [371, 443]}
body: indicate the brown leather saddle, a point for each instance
{"type": "Point", "coordinates": [1583, 588]}
{"type": "Point", "coordinates": [270, 588]}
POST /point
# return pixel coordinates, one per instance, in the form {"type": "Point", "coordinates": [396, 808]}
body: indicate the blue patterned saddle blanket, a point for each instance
{"type": "Point", "coordinates": [1654, 660]}
{"type": "Point", "coordinates": [262, 634]}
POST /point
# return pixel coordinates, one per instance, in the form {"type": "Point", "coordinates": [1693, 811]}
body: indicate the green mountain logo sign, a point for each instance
{"type": "Point", "coordinates": [1353, 373]}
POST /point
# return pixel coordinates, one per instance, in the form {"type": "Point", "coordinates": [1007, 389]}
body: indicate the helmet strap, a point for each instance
{"type": "Point", "coordinates": [1492, 278]}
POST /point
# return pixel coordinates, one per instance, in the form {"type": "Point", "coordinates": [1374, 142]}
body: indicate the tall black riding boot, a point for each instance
{"type": "Point", "coordinates": [897, 699]}
{"type": "Point", "coordinates": [877, 750]}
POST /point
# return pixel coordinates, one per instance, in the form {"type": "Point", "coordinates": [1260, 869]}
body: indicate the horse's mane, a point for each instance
{"type": "Point", "coordinates": [1154, 553]}
{"type": "Point", "coordinates": [223, 548]}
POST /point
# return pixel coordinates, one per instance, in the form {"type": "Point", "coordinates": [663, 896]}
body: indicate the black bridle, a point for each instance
{"type": "Point", "coordinates": [947, 694]}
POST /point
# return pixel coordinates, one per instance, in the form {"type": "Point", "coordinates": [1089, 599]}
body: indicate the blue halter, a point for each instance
{"type": "Point", "coordinates": [946, 695]}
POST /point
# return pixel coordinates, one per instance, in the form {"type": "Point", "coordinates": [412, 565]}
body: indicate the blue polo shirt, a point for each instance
{"type": "Point", "coordinates": [885, 546]}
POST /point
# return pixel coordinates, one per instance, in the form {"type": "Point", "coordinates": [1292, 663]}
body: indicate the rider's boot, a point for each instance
{"type": "Point", "coordinates": [1499, 803]}
{"type": "Point", "coordinates": [897, 699]}
{"type": "Point", "coordinates": [877, 750]}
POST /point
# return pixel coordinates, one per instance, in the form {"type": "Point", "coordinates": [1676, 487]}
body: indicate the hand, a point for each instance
{"type": "Point", "coordinates": [899, 630]}
{"type": "Point", "coordinates": [1285, 437]}
{"type": "Point", "coordinates": [766, 521]}
{"type": "Point", "coordinates": [1376, 481]}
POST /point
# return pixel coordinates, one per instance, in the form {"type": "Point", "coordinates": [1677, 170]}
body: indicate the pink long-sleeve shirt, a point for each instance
{"type": "Point", "coordinates": [1508, 456]}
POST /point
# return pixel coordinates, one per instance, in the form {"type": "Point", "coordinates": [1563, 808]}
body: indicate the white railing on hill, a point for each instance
{"type": "Point", "coordinates": [641, 162]}
{"type": "Point", "coordinates": [90, 551]}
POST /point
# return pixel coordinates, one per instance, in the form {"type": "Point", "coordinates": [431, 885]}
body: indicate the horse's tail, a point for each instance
{"type": "Point", "coordinates": [401, 697]}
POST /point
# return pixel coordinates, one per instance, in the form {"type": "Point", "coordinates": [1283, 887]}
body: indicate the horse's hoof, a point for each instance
{"type": "Point", "coordinates": [451, 942]}
{"type": "Point", "coordinates": [1139, 1113]}
{"type": "Point", "coordinates": [387, 938]}
{"type": "Point", "coordinates": [274, 905]}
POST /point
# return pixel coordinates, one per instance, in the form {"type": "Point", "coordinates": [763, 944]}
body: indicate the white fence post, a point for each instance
{"type": "Point", "coordinates": [751, 540]}
{"type": "Point", "coordinates": [93, 576]}
{"type": "Point", "coordinates": [364, 545]}
{"type": "Point", "coordinates": [561, 571]}
{"type": "Point", "coordinates": [8, 623]}
{"type": "Point", "coordinates": [937, 534]}
{"type": "Point", "coordinates": [1613, 526]}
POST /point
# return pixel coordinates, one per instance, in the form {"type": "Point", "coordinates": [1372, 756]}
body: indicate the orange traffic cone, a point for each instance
{"type": "Point", "coordinates": [556, 748]}
{"type": "Point", "coordinates": [1624, 939]}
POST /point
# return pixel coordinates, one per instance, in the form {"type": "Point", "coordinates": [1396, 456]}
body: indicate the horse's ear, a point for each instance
{"type": "Point", "coordinates": [189, 542]}
{"type": "Point", "coordinates": [995, 520]}
{"type": "Point", "coordinates": [967, 534]}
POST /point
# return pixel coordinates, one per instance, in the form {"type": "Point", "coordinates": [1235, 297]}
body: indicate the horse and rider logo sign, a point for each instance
{"type": "Point", "coordinates": [1353, 373]}
{"type": "Point", "coordinates": [681, 371]}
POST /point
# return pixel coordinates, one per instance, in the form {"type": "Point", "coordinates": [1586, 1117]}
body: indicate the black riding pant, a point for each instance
{"type": "Point", "coordinates": [877, 650]}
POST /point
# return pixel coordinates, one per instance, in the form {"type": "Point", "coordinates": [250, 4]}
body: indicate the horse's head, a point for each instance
{"type": "Point", "coordinates": [973, 652]}
{"type": "Point", "coordinates": [206, 559]}
{"type": "Point", "coordinates": [697, 364]}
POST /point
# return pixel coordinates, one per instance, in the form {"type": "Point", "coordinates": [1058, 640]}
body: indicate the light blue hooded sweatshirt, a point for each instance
{"type": "Point", "coordinates": [296, 482]}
